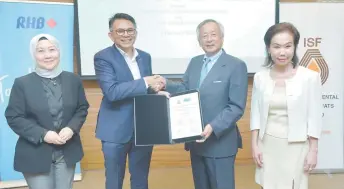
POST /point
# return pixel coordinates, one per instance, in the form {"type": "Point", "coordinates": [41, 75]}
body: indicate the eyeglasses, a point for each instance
{"type": "Point", "coordinates": [130, 31]}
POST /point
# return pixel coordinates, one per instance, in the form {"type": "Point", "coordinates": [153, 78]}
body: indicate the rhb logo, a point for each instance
{"type": "Point", "coordinates": [30, 22]}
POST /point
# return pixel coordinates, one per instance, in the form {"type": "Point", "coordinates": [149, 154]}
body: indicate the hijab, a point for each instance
{"type": "Point", "coordinates": [56, 71]}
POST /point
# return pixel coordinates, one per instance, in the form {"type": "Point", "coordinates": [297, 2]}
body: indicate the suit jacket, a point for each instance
{"type": "Point", "coordinates": [223, 96]}
{"type": "Point", "coordinates": [303, 93]}
{"type": "Point", "coordinates": [28, 116]}
{"type": "Point", "coordinates": [116, 114]}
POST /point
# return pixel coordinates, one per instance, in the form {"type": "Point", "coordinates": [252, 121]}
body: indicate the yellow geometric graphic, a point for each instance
{"type": "Point", "coordinates": [313, 60]}
{"type": "Point", "coordinates": [313, 65]}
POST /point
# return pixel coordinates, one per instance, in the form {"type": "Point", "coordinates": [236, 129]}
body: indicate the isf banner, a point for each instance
{"type": "Point", "coordinates": [321, 49]}
{"type": "Point", "coordinates": [20, 22]}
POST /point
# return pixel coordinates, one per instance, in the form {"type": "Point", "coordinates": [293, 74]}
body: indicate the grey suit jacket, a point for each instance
{"type": "Point", "coordinates": [223, 96]}
{"type": "Point", "coordinates": [28, 116]}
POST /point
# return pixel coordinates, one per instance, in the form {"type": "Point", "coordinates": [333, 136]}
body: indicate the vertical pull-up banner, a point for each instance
{"type": "Point", "coordinates": [321, 48]}
{"type": "Point", "coordinates": [20, 22]}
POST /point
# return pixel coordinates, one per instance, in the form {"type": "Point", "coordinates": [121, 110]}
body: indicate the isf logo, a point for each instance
{"type": "Point", "coordinates": [313, 59]}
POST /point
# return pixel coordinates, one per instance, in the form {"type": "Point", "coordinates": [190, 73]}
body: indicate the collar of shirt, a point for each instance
{"type": "Point", "coordinates": [126, 54]}
{"type": "Point", "coordinates": [213, 58]}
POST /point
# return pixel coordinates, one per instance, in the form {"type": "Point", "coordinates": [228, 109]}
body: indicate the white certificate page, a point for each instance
{"type": "Point", "coordinates": [185, 116]}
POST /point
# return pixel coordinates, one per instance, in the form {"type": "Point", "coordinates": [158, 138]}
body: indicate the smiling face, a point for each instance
{"type": "Point", "coordinates": [123, 34]}
{"type": "Point", "coordinates": [47, 55]}
{"type": "Point", "coordinates": [210, 38]}
{"type": "Point", "coordinates": [282, 48]}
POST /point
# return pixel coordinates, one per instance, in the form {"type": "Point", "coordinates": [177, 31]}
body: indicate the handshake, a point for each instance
{"type": "Point", "coordinates": [156, 82]}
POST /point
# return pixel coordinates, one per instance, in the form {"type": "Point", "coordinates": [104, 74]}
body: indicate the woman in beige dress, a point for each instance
{"type": "Point", "coordinates": [286, 114]}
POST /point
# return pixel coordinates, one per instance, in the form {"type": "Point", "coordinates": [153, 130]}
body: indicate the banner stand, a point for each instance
{"type": "Point", "coordinates": [20, 22]}
{"type": "Point", "coordinates": [320, 49]}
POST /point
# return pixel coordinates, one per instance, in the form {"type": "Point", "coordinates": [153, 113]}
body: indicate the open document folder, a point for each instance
{"type": "Point", "coordinates": [159, 120]}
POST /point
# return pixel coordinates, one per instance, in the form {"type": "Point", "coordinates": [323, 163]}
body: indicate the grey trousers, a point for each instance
{"type": "Point", "coordinates": [213, 173]}
{"type": "Point", "coordinates": [59, 177]}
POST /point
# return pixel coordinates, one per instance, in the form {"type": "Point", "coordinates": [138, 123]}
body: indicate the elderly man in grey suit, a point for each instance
{"type": "Point", "coordinates": [222, 82]}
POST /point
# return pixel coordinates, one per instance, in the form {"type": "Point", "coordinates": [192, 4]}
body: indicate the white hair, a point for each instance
{"type": "Point", "coordinates": [200, 25]}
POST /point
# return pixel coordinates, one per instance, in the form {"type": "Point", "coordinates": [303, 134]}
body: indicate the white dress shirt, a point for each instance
{"type": "Point", "coordinates": [132, 64]}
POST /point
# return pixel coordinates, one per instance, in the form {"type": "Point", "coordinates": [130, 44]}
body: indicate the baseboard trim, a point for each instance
{"type": "Point", "coordinates": [22, 183]}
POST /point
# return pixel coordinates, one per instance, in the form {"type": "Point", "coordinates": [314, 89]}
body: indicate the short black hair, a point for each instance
{"type": "Point", "coordinates": [121, 16]}
{"type": "Point", "coordinates": [278, 28]}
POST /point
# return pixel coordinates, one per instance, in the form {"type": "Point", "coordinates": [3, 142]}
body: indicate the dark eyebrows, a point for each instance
{"type": "Point", "coordinates": [289, 43]}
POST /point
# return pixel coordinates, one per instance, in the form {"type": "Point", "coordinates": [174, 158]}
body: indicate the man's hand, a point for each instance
{"type": "Point", "coordinates": [206, 133]}
{"type": "Point", "coordinates": [66, 133]}
{"type": "Point", "coordinates": [53, 138]}
{"type": "Point", "coordinates": [156, 82]}
{"type": "Point", "coordinates": [165, 93]}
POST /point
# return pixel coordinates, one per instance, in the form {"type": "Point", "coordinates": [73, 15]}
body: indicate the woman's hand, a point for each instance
{"type": "Point", "coordinates": [257, 156]}
{"type": "Point", "coordinates": [310, 161]}
{"type": "Point", "coordinates": [53, 138]}
{"type": "Point", "coordinates": [66, 133]}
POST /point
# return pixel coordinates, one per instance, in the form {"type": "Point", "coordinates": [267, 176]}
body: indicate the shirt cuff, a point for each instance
{"type": "Point", "coordinates": [145, 83]}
